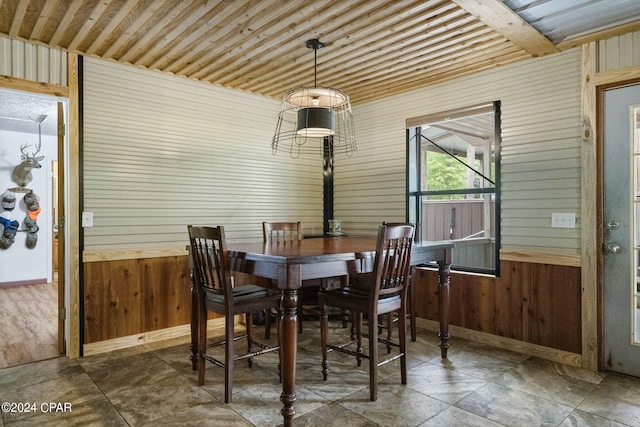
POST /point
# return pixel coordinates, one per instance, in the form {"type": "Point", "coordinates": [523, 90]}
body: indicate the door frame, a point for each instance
{"type": "Point", "coordinates": [593, 84]}
{"type": "Point", "coordinates": [69, 258]}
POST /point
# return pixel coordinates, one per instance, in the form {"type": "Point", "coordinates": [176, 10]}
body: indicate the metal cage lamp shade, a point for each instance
{"type": "Point", "coordinates": [314, 118]}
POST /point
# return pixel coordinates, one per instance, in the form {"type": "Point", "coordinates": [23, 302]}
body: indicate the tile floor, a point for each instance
{"type": "Point", "coordinates": [477, 385]}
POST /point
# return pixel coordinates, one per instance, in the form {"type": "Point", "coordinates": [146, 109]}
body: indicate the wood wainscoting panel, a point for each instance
{"type": "Point", "coordinates": [166, 297]}
{"type": "Point", "coordinates": [128, 297]}
{"type": "Point", "coordinates": [531, 302]}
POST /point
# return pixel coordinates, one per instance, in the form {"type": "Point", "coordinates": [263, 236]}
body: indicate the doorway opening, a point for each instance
{"type": "Point", "coordinates": [32, 299]}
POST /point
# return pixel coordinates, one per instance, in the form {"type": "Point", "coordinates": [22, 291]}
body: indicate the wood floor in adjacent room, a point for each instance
{"type": "Point", "coordinates": [28, 324]}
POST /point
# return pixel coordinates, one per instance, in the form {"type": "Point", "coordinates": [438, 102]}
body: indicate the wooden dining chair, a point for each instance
{"type": "Point", "coordinates": [215, 292]}
{"type": "Point", "coordinates": [381, 292]}
{"type": "Point", "coordinates": [274, 232]}
{"type": "Point", "coordinates": [279, 232]}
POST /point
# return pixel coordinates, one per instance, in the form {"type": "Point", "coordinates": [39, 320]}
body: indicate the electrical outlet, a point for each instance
{"type": "Point", "coordinates": [87, 219]}
{"type": "Point", "coordinates": [563, 220]}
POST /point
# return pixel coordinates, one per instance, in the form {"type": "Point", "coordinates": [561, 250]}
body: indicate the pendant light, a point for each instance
{"type": "Point", "coordinates": [315, 120]}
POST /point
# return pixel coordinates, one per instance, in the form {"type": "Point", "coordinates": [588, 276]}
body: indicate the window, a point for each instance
{"type": "Point", "coordinates": [453, 181]}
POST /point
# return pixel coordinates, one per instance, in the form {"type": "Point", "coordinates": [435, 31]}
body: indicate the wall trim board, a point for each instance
{"type": "Point", "coordinates": [15, 83]}
{"type": "Point", "coordinates": [140, 253]}
{"type": "Point", "coordinates": [554, 355]}
{"type": "Point", "coordinates": [617, 76]}
{"type": "Point", "coordinates": [589, 208]}
{"type": "Point", "coordinates": [216, 326]}
{"type": "Point", "coordinates": [542, 258]}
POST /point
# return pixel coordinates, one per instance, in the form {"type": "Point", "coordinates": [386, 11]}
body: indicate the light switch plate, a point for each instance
{"type": "Point", "coordinates": [563, 220]}
{"type": "Point", "coordinates": [87, 219]}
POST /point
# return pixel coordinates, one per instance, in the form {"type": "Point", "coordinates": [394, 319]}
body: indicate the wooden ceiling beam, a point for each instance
{"type": "Point", "coordinates": [498, 16]}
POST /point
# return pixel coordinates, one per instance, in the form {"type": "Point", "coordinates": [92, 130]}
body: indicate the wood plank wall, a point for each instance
{"type": "Point", "coordinates": [127, 297]}
{"type": "Point", "coordinates": [531, 302]}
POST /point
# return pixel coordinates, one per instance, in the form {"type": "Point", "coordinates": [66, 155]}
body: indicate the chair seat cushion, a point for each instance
{"type": "Point", "coordinates": [242, 293]}
{"type": "Point", "coordinates": [340, 297]}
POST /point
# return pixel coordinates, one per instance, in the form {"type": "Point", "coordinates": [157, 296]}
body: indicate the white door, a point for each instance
{"type": "Point", "coordinates": [621, 235]}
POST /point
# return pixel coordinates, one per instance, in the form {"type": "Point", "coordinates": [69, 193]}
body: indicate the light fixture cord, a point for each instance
{"type": "Point", "coordinates": [315, 67]}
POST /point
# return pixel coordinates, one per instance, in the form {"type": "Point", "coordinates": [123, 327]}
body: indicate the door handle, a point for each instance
{"type": "Point", "coordinates": [612, 247]}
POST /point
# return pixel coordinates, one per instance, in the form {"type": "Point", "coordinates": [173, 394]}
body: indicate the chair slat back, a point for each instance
{"type": "Point", "coordinates": [393, 259]}
{"type": "Point", "coordinates": [209, 260]}
{"type": "Point", "coordinates": [281, 231]}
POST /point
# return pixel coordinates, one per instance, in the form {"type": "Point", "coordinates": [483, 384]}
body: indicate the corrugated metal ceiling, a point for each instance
{"type": "Point", "coordinates": [561, 20]}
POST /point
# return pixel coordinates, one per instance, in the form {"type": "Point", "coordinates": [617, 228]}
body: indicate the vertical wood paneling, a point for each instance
{"type": "Point", "coordinates": [32, 62]}
{"type": "Point", "coordinates": [97, 300]}
{"type": "Point", "coordinates": [161, 152]}
{"type": "Point", "coordinates": [133, 296]}
{"type": "Point", "coordinates": [126, 296]}
{"type": "Point", "coordinates": [165, 302]}
{"type": "Point", "coordinates": [540, 150]}
{"type": "Point", "coordinates": [534, 303]}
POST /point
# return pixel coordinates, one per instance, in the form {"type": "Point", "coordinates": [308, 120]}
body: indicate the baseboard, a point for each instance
{"type": "Point", "coordinates": [552, 354]}
{"type": "Point", "coordinates": [213, 326]}
{"type": "Point", "coordinates": [217, 325]}
{"type": "Point", "coordinates": [23, 283]}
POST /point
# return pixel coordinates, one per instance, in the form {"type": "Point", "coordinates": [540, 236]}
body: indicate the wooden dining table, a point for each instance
{"type": "Point", "coordinates": [289, 263]}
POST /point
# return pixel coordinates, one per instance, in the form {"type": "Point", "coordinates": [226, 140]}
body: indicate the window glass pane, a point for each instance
{"type": "Point", "coordinates": [459, 153]}
{"type": "Point", "coordinates": [453, 176]}
{"type": "Point", "coordinates": [467, 221]}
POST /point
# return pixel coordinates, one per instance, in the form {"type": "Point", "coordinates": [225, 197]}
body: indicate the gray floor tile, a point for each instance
{"type": "Point", "coordinates": [154, 384]}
